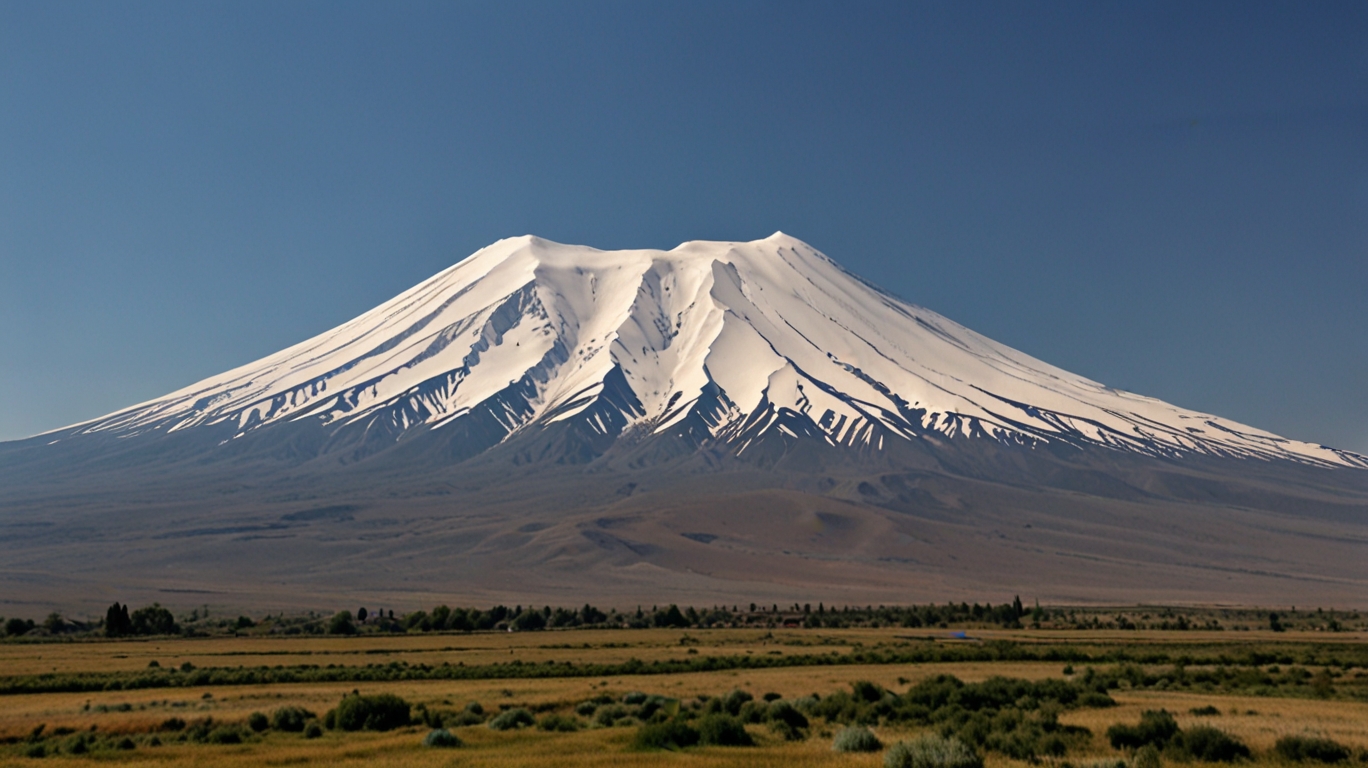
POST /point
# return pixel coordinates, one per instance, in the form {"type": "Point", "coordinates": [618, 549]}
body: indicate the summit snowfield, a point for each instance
{"type": "Point", "coordinates": [720, 343]}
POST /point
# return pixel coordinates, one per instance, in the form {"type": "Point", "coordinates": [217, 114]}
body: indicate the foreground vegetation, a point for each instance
{"type": "Point", "coordinates": [990, 696]}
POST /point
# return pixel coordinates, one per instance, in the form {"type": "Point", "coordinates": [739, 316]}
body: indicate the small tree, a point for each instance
{"type": "Point", "coordinates": [341, 624]}
{"type": "Point", "coordinates": [529, 620]}
{"type": "Point", "coordinates": [117, 623]}
{"type": "Point", "coordinates": [361, 614]}
{"type": "Point", "coordinates": [16, 627]}
{"type": "Point", "coordinates": [153, 620]}
{"type": "Point", "coordinates": [671, 618]}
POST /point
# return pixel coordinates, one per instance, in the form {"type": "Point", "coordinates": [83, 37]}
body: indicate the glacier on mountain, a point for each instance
{"type": "Point", "coordinates": [725, 341]}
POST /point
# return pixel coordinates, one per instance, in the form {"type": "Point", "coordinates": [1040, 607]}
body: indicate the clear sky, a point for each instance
{"type": "Point", "coordinates": [1168, 198]}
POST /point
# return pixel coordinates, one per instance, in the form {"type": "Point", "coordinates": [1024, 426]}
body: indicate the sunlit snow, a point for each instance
{"type": "Point", "coordinates": [765, 335]}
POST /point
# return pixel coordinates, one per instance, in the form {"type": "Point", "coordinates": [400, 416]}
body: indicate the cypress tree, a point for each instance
{"type": "Point", "coordinates": [117, 621]}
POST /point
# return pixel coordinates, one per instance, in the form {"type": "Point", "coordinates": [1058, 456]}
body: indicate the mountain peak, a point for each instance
{"type": "Point", "coordinates": [724, 343]}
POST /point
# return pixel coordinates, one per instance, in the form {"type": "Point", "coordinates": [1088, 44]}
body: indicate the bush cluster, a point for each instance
{"type": "Point", "coordinates": [558, 722]}
{"type": "Point", "coordinates": [1159, 730]}
{"type": "Point", "coordinates": [1017, 718]}
{"type": "Point", "coordinates": [722, 730]}
{"type": "Point", "coordinates": [932, 751]}
{"type": "Point", "coordinates": [380, 712]}
{"type": "Point", "coordinates": [1301, 749]}
{"type": "Point", "coordinates": [511, 719]}
{"type": "Point", "coordinates": [205, 730]}
{"type": "Point", "coordinates": [291, 719]}
{"type": "Point", "coordinates": [856, 738]}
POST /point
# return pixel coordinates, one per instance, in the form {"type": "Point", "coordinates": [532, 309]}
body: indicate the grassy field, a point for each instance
{"type": "Point", "coordinates": [1315, 684]}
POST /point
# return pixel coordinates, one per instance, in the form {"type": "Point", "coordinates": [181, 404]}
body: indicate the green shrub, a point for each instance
{"type": "Point", "coordinates": [1156, 727]}
{"type": "Point", "coordinates": [1309, 748]}
{"type": "Point", "coordinates": [733, 701]}
{"type": "Point", "coordinates": [258, 722]}
{"type": "Point", "coordinates": [784, 712]}
{"type": "Point", "coordinates": [441, 738]}
{"type": "Point", "coordinates": [125, 744]}
{"type": "Point", "coordinates": [1207, 711]}
{"type": "Point", "coordinates": [653, 704]}
{"type": "Point", "coordinates": [172, 724]}
{"type": "Point", "coordinates": [224, 734]}
{"type": "Point", "coordinates": [330, 719]}
{"type": "Point", "coordinates": [291, 719]}
{"type": "Point", "coordinates": [473, 714]}
{"type": "Point", "coordinates": [77, 745]}
{"type": "Point", "coordinates": [513, 718]}
{"type": "Point", "coordinates": [635, 697]}
{"type": "Point", "coordinates": [198, 731]}
{"type": "Point", "coordinates": [380, 712]}
{"type": "Point", "coordinates": [1146, 757]}
{"type": "Point", "coordinates": [586, 708]}
{"type": "Point", "coordinates": [558, 722]}
{"type": "Point", "coordinates": [1096, 700]}
{"type": "Point", "coordinates": [931, 751]}
{"type": "Point", "coordinates": [723, 731]}
{"type": "Point", "coordinates": [783, 718]}
{"type": "Point", "coordinates": [671, 734]}
{"type": "Point", "coordinates": [609, 715]}
{"type": "Point", "coordinates": [855, 738]}
{"type": "Point", "coordinates": [867, 691]}
{"type": "Point", "coordinates": [1212, 745]}
{"type": "Point", "coordinates": [753, 712]}
{"type": "Point", "coordinates": [463, 718]}
{"type": "Point", "coordinates": [313, 730]}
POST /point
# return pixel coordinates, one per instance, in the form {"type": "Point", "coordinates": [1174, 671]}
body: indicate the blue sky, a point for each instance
{"type": "Point", "coordinates": [1168, 198]}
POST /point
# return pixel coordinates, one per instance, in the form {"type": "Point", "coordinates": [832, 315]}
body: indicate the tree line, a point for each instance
{"type": "Point", "coordinates": [444, 618]}
{"type": "Point", "coordinates": [122, 621]}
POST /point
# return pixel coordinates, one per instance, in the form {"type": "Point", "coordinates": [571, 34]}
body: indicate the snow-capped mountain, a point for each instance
{"type": "Point", "coordinates": [720, 342]}
{"type": "Point", "coordinates": [718, 422]}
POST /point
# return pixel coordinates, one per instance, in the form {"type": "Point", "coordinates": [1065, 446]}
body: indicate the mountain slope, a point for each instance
{"type": "Point", "coordinates": [728, 342]}
{"type": "Point", "coordinates": [719, 422]}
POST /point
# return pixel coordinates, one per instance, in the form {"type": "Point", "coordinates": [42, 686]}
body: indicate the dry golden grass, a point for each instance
{"type": "Point", "coordinates": [582, 646]}
{"type": "Point", "coordinates": [1258, 721]}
